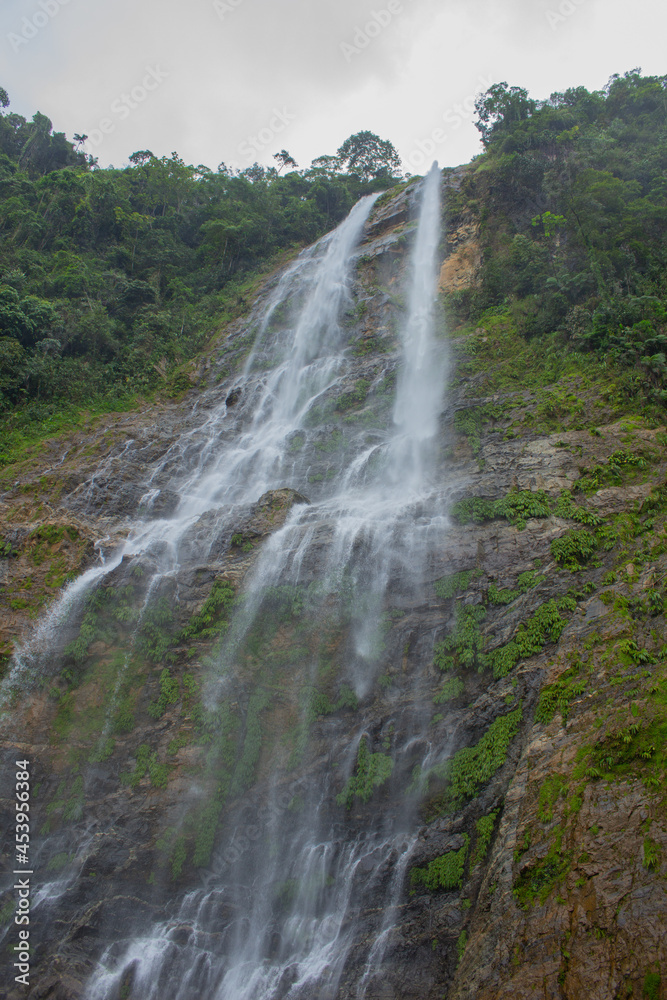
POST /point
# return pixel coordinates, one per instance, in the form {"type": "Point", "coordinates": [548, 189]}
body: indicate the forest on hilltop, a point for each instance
{"type": "Point", "coordinates": [113, 278]}
{"type": "Point", "coordinates": [570, 196]}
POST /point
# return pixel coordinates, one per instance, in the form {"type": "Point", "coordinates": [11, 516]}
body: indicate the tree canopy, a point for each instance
{"type": "Point", "coordinates": [571, 201]}
{"type": "Point", "coordinates": [111, 278]}
{"type": "Point", "coordinates": [369, 156]}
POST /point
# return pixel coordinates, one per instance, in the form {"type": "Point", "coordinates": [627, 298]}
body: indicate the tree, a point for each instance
{"type": "Point", "coordinates": [140, 157]}
{"type": "Point", "coordinates": [369, 156]}
{"type": "Point", "coordinates": [500, 108]}
{"type": "Point", "coordinates": [285, 160]}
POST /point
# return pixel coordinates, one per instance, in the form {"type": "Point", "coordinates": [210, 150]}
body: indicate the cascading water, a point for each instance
{"type": "Point", "coordinates": [208, 473]}
{"type": "Point", "coordinates": [299, 884]}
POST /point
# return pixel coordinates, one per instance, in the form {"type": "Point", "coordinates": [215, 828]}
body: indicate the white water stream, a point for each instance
{"type": "Point", "coordinates": [282, 923]}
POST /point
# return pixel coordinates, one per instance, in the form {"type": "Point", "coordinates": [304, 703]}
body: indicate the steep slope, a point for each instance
{"type": "Point", "coordinates": [499, 767]}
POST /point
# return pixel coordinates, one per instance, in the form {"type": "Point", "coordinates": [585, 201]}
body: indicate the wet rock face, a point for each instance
{"type": "Point", "coordinates": [557, 815]}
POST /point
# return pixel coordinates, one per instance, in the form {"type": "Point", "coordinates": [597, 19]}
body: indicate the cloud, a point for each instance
{"type": "Point", "coordinates": [229, 67]}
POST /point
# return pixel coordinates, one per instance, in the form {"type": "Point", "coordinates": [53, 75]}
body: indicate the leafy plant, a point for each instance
{"type": "Point", "coordinates": [170, 692]}
{"type": "Point", "coordinates": [558, 697]}
{"type": "Point", "coordinates": [525, 582]}
{"type": "Point", "coordinates": [464, 646]}
{"type": "Point", "coordinates": [372, 771]}
{"type": "Point", "coordinates": [484, 826]}
{"type": "Point", "coordinates": [573, 549]}
{"type": "Point", "coordinates": [213, 617]}
{"type": "Point", "coordinates": [450, 691]}
{"type": "Point", "coordinates": [471, 767]}
{"type": "Point", "coordinates": [444, 872]}
{"type": "Point", "coordinates": [546, 625]}
{"type": "Point", "coordinates": [448, 586]}
{"type": "Point", "coordinates": [537, 881]}
{"type": "Point", "coordinates": [516, 508]}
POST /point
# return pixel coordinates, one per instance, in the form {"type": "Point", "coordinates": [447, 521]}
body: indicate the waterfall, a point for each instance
{"type": "Point", "coordinates": [420, 387]}
{"type": "Point", "coordinates": [212, 475]}
{"type": "Point", "coordinates": [299, 885]}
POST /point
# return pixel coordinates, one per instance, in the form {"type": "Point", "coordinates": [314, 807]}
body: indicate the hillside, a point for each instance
{"type": "Point", "coordinates": [340, 664]}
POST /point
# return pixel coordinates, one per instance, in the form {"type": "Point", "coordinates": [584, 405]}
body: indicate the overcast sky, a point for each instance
{"type": "Point", "coordinates": [238, 80]}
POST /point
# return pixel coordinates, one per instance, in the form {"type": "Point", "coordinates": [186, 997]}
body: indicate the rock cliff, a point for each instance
{"type": "Point", "coordinates": [533, 659]}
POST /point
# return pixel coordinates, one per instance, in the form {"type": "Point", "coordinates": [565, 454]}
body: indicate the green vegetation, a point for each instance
{"type": "Point", "coordinates": [113, 279]}
{"type": "Point", "coordinates": [525, 582]}
{"type": "Point", "coordinates": [550, 789]}
{"type": "Point", "coordinates": [651, 854]}
{"type": "Point", "coordinates": [514, 507]}
{"type": "Point", "coordinates": [638, 749]}
{"type": "Point", "coordinates": [620, 466]}
{"type": "Point", "coordinates": [461, 944]}
{"type": "Point", "coordinates": [372, 771]}
{"type": "Point", "coordinates": [219, 732]}
{"type": "Point", "coordinates": [484, 826]}
{"type": "Point", "coordinates": [315, 704]}
{"type": "Point", "coordinates": [570, 200]}
{"type": "Point", "coordinates": [252, 741]}
{"type": "Point", "coordinates": [573, 549]}
{"type": "Point", "coordinates": [368, 156]}
{"type": "Point", "coordinates": [170, 692]}
{"type": "Point", "coordinates": [463, 648]}
{"type": "Point", "coordinates": [452, 689]}
{"type": "Point", "coordinates": [445, 872]}
{"type": "Point", "coordinates": [178, 856]}
{"type": "Point", "coordinates": [557, 697]}
{"type": "Point", "coordinates": [448, 586]}
{"type": "Point", "coordinates": [471, 767]}
{"type": "Point", "coordinates": [355, 397]}
{"type": "Point", "coordinates": [566, 507]}
{"type": "Point", "coordinates": [59, 861]}
{"type": "Point", "coordinates": [147, 764]}
{"type": "Point", "coordinates": [155, 638]}
{"type": "Point", "coordinates": [544, 626]}
{"type": "Point", "coordinates": [536, 882]}
{"type": "Point", "coordinates": [213, 617]}
{"type": "Point", "coordinates": [469, 422]}
{"type": "Point", "coordinates": [7, 550]}
{"type": "Point", "coordinates": [651, 986]}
